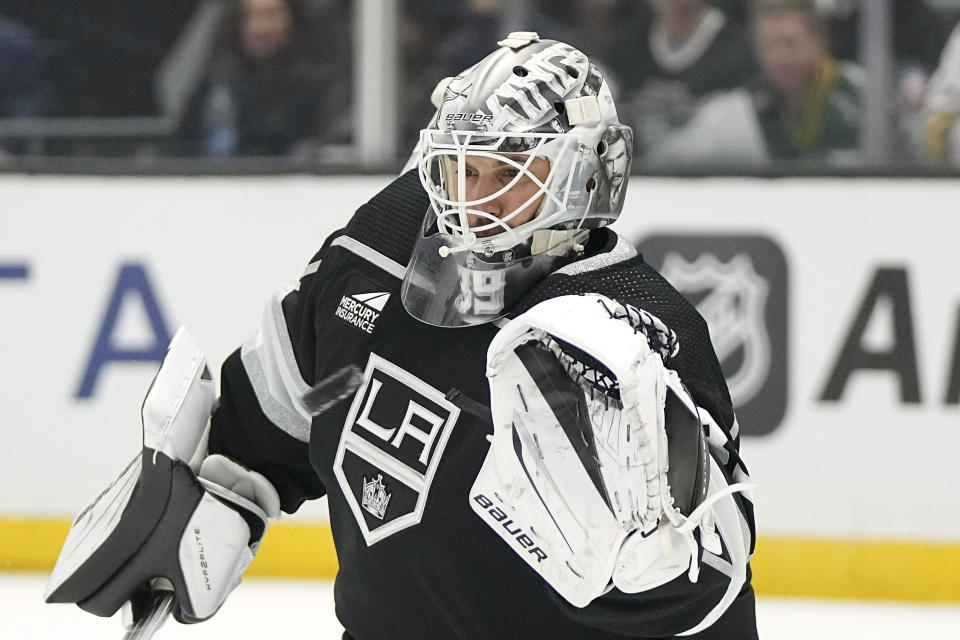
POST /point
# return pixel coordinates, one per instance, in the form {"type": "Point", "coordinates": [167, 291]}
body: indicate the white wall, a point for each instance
{"type": "Point", "coordinates": [868, 465]}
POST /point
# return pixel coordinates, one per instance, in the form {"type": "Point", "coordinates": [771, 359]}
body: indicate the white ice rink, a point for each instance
{"type": "Point", "coordinates": [281, 610]}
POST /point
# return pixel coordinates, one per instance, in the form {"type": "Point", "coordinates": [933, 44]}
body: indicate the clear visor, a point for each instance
{"type": "Point", "coordinates": [448, 288]}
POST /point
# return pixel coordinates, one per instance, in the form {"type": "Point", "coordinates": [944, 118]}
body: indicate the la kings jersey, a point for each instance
{"type": "Point", "coordinates": [398, 458]}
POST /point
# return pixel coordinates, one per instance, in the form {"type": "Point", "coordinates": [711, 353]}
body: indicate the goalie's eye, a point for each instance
{"type": "Point", "coordinates": [500, 172]}
{"type": "Point", "coordinates": [509, 173]}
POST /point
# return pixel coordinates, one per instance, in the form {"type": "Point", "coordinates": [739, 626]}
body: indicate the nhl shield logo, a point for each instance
{"type": "Point", "coordinates": [732, 298]}
{"type": "Point", "coordinates": [740, 284]}
{"type": "Point", "coordinates": [392, 441]}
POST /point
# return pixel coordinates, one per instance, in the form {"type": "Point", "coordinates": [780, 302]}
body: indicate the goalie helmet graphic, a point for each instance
{"type": "Point", "coordinates": [523, 157]}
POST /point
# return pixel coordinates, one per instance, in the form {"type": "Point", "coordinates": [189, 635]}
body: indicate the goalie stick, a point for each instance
{"type": "Point", "coordinates": [158, 608]}
{"type": "Point", "coordinates": [320, 398]}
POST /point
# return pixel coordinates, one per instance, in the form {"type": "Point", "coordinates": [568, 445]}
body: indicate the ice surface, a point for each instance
{"type": "Point", "coordinates": [282, 609]}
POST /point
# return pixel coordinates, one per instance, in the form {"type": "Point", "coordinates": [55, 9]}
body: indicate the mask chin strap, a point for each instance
{"type": "Point", "coordinates": [469, 240]}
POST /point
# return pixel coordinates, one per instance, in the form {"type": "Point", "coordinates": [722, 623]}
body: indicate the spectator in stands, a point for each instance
{"type": "Point", "coordinates": [267, 92]}
{"type": "Point", "coordinates": [735, 10]}
{"type": "Point", "coordinates": [476, 22]}
{"type": "Point", "coordinates": [606, 28]}
{"type": "Point", "coordinates": [805, 104]}
{"type": "Point", "coordinates": [941, 126]}
{"type": "Point", "coordinates": [690, 50]}
{"type": "Point", "coordinates": [811, 104]}
{"type": "Point", "coordinates": [102, 56]}
{"type": "Point", "coordinates": [23, 90]}
{"type": "Point", "coordinates": [918, 32]}
{"type": "Point", "coordinates": [438, 38]}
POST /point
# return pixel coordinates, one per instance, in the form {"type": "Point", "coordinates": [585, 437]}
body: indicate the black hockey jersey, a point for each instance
{"type": "Point", "coordinates": [397, 459]}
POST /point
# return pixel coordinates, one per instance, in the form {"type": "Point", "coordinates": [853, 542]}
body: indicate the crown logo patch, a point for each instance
{"type": "Point", "coordinates": [375, 497]}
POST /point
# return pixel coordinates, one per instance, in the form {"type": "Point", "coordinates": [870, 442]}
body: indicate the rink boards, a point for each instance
{"type": "Point", "coordinates": [833, 305]}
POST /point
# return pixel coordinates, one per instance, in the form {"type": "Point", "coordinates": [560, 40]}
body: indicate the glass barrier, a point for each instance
{"type": "Point", "coordinates": [182, 78]}
{"type": "Point", "coordinates": [707, 85]}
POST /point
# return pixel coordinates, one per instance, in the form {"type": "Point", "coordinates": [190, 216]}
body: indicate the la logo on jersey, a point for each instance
{"type": "Point", "coordinates": [392, 441]}
{"type": "Point", "coordinates": [362, 310]}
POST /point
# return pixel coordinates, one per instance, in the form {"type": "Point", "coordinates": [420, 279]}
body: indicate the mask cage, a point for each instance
{"type": "Point", "coordinates": [443, 166]}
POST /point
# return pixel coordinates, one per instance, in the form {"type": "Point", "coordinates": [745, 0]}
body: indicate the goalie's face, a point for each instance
{"type": "Point", "coordinates": [491, 191]}
{"type": "Point", "coordinates": [496, 198]}
{"type": "Point", "coordinates": [503, 193]}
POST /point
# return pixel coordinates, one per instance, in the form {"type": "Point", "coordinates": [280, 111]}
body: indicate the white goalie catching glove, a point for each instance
{"type": "Point", "coordinates": [593, 473]}
{"type": "Point", "coordinates": [164, 524]}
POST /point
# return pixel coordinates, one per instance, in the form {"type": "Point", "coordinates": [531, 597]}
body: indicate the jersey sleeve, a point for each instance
{"type": "Point", "coordinates": [261, 420]}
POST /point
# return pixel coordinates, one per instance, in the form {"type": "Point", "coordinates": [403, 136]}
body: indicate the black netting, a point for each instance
{"type": "Point", "coordinates": [390, 222]}
{"type": "Point", "coordinates": [594, 378]}
{"type": "Point", "coordinates": [661, 338]}
{"type": "Point", "coordinates": [633, 282]}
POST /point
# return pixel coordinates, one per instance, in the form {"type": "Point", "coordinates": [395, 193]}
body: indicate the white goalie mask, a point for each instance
{"type": "Point", "coordinates": [524, 155]}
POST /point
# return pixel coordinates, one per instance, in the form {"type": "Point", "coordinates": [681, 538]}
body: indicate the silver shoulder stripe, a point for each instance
{"type": "Point", "coordinates": [285, 420]}
{"type": "Point", "coordinates": [275, 328]}
{"type": "Point", "coordinates": [273, 372]}
{"type": "Point", "coordinates": [371, 255]}
{"type": "Point", "coordinates": [623, 250]}
{"type": "Point", "coordinates": [310, 269]}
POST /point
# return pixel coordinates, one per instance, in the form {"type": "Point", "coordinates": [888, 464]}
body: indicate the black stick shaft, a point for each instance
{"type": "Point", "coordinates": [153, 618]}
{"type": "Point", "coordinates": [332, 389]}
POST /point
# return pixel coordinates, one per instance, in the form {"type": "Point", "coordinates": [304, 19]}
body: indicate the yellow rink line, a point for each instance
{"type": "Point", "coordinates": [798, 567]}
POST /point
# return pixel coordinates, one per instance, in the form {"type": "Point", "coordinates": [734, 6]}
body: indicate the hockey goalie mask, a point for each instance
{"type": "Point", "coordinates": [518, 164]}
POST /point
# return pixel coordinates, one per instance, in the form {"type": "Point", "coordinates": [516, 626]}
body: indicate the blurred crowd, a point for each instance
{"type": "Point", "coordinates": [700, 81]}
